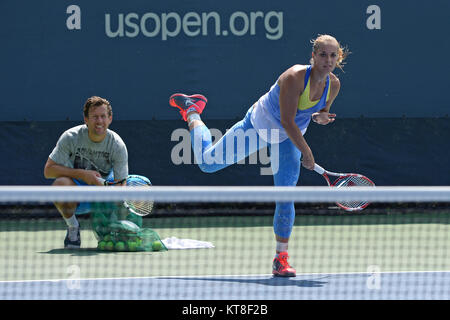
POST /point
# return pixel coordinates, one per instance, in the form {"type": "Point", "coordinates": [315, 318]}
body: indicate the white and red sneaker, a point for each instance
{"type": "Point", "coordinates": [281, 267]}
{"type": "Point", "coordinates": [185, 102]}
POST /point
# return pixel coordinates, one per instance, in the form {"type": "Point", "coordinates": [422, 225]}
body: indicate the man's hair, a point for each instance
{"type": "Point", "coordinates": [96, 102]}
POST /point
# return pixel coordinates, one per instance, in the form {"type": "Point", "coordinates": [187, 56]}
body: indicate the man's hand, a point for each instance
{"type": "Point", "coordinates": [91, 178]}
{"type": "Point", "coordinates": [323, 117]}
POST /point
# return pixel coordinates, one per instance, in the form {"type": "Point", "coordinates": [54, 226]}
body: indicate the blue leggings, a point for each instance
{"type": "Point", "coordinates": [227, 151]}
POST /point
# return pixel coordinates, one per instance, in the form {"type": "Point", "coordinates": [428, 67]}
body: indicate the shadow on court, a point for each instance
{"type": "Point", "coordinates": [270, 281]}
{"type": "Point", "coordinates": [81, 252]}
{"type": "Point", "coordinates": [77, 252]}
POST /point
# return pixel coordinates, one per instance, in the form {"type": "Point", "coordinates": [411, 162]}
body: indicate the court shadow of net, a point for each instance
{"type": "Point", "coordinates": [270, 281]}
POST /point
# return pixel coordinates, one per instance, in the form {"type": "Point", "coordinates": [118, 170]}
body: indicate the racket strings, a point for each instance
{"type": "Point", "coordinates": [140, 207]}
{"type": "Point", "coordinates": [143, 207]}
{"type": "Point", "coordinates": [355, 181]}
{"type": "Point", "coordinates": [353, 204]}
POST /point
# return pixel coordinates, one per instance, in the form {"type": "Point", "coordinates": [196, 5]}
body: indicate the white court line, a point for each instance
{"type": "Point", "coordinates": [220, 276]}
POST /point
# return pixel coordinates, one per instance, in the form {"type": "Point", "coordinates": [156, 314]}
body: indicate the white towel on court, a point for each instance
{"type": "Point", "coordinates": [175, 243]}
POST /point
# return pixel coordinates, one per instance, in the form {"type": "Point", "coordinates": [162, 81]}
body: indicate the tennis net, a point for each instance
{"type": "Point", "coordinates": [203, 243]}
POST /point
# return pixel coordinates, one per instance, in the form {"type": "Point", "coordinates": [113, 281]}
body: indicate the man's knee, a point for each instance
{"type": "Point", "coordinates": [63, 181]}
{"type": "Point", "coordinates": [67, 209]}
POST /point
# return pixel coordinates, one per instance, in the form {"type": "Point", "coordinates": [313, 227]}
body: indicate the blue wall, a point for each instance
{"type": "Point", "coordinates": [48, 70]}
{"type": "Point", "coordinates": [389, 151]}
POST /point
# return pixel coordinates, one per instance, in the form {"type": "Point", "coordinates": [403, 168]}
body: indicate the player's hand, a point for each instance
{"type": "Point", "coordinates": [91, 178]}
{"type": "Point", "coordinates": [323, 117]}
{"type": "Point", "coordinates": [308, 161]}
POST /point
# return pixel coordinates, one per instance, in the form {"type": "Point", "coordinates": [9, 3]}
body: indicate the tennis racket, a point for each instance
{"type": "Point", "coordinates": [346, 180]}
{"type": "Point", "coordinates": [138, 207]}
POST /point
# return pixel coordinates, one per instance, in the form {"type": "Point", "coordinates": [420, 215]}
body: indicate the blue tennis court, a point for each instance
{"type": "Point", "coordinates": [358, 286]}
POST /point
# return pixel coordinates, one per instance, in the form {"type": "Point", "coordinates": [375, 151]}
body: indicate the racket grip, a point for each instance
{"type": "Point", "coordinates": [318, 169]}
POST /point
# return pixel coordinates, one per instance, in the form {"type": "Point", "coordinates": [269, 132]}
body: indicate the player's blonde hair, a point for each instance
{"type": "Point", "coordinates": [343, 52]}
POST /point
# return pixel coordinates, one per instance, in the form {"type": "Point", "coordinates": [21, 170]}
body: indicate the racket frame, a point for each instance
{"type": "Point", "coordinates": [341, 176]}
{"type": "Point", "coordinates": [127, 204]}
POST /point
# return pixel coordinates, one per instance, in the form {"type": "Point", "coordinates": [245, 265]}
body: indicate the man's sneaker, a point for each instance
{"type": "Point", "coordinates": [184, 103]}
{"type": "Point", "coordinates": [73, 239]}
{"type": "Point", "coordinates": [281, 268]}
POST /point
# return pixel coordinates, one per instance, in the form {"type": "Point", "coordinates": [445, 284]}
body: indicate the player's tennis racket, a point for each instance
{"type": "Point", "coordinates": [138, 207]}
{"type": "Point", "coordinates": [346, 180]}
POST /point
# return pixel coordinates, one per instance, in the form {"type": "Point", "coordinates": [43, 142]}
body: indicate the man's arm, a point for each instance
{"type": "Point", "coordinates": [52, 170]}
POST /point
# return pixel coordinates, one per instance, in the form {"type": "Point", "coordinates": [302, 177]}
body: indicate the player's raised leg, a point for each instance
{"type": "Point", "coordinates": [239, 141]}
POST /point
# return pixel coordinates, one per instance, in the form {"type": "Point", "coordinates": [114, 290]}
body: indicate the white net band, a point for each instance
{"type": "Point", "coordinates": [171, 194]}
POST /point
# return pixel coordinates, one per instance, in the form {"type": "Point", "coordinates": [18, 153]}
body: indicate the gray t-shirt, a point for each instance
{"type": "Point", "coordinates": [75, 150]}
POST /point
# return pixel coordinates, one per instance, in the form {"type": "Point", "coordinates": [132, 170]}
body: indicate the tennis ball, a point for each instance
{"type": "Point", "coordinates": [101, 245]}
{"type": "Point", "coordinates": [120, 246]}
{"type": "Point", "coordinates": [109, 246]}
{"type": "Point", "coordinates": [132, 246]}
{"type": "Point", "coordinates": [156, 245]}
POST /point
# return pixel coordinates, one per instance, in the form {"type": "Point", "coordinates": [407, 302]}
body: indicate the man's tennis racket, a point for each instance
{"type": "Point", "coordinates": [138, 207]}
{"type": "Point", "coordinates": [346, 180]}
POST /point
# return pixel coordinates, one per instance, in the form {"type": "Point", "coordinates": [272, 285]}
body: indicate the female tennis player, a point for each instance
{"type": "Point", "coordinates": [281, 116]}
